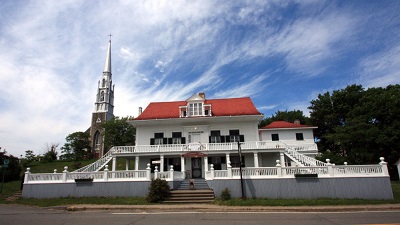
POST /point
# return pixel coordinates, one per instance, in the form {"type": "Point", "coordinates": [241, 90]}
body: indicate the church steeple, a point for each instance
{"type": "Point", "coordinates": [105, 90]}
{"type": "Point", "coordinates": [104, 106]}
{"type": "Point", "coordinates": [107, 66]}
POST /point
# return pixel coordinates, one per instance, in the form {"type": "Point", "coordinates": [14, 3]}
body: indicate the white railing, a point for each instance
{"type": "Point", "coordinates": [330, 170]}
{"type": "Point", "coordinates": [198, 147]}
{"type": "Point", "coordinates": [301, 158]}
{"type": "Point", "coordinates": [129, 174]}
{"type": "Point", "coordinates": [305, 170]}
{"type": "Point", "coordinates": [255, 172]}
{"type": "Point", "coordinates": [47, 177]}
{"type": "Point", "coordinates": [100, 163]}
{"type": "Point", "coordinates": [85, 175]}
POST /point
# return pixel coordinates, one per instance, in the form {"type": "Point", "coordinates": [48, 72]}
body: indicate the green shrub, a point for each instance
{"type": "Point", "coordinates": [226, 195]}
{"type": "Point", "coordinates": [158, 190]}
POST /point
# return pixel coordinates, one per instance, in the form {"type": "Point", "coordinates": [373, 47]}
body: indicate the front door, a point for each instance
{"type": "Point", "coordinates": [196, 168]}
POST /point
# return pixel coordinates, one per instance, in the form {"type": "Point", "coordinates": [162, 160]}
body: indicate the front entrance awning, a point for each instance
{"type": "Point", "coordinates": [194, 154]}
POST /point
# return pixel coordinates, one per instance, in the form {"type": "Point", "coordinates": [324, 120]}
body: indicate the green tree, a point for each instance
{"type": "Point", "coordinates": [77, 147]}
{"type": "Point", "coordinates": [288, 116]}
{"type": "Point", "coordinates": [29, 156]}
{"type": "Point", "coordinates": [51, 152]}
{"type": "Point", "coordinates": [359, 125]}
{"type": "Point", "coordinates": [118, 132]}
{"type": "Point", "coordinates": [13, 170]}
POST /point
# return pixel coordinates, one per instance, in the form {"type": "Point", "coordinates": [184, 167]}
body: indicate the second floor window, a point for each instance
{"type": "Point", "coordinates": [158, 138]}
{"type": "Point", "coordinates": [176, 137]}
{"type": "Point", "coordinates": [234, 135]}
{"type": "Point", "coordinates": [299, 137]}
{"type": "Point", "coordinates": [275, 137]}
{"type": "Point", "coordinates": [215, 136]}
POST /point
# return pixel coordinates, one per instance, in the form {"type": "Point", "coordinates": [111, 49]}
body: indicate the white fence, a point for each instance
{"type": "Point", "coordinates": [101, 176]}
{"type": "Point", "coordinates": [330, 170]}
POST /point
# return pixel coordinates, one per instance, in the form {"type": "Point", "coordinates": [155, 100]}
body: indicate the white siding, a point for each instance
{"type": "Point", "coordinates": [248, 129]}
{"type": "Point", "coordinates": [288, 135]}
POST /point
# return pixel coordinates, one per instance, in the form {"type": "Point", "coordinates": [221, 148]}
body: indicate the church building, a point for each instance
{"type": "Point", "coordinates": [104, 107]}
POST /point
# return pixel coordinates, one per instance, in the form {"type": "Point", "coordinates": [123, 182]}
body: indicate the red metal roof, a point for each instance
{"type": "Point", "coordinates": [219, 107]}
{"type": "Point", "coordinates": [284, 124]}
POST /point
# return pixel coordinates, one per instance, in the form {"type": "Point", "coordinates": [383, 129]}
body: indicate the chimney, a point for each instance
{"type": "Point", "coordinates": [297, 122]}
{"type": "Point", "coordinates": [140, 111]}
{"type": "Point", "coordinates": [203, 95]}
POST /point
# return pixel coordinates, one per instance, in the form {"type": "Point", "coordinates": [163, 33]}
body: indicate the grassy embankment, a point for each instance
{"type": "Point", "coordinates": [38, 167]}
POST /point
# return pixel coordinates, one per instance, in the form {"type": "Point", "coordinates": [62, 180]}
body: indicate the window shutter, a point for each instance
{"type": "Point", "coordinates": [183, 140]}
{"type": "Point", "coordinates": [209, 139]}
{"type": "Point", "coordinates": [169, 140]}
{"type": "Point", "coordinates": [227, 139]}
{"type": "Point", "coordinates": [241, 138]}
{"type": "Point", "coordinates": [165, 141]}
{"type": "Point", "coordinates": [151, 141]}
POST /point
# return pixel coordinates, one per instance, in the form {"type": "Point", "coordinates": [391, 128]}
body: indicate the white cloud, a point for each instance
{"type": "Point", "coordinates": [381, 69]}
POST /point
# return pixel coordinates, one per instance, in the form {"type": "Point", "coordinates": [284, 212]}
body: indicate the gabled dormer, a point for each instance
{"type": "Point", "coordinates": [195, 107]}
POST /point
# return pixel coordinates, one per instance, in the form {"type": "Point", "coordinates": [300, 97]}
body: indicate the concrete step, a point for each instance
{"type": "Point", "coordinates": [191, 196]}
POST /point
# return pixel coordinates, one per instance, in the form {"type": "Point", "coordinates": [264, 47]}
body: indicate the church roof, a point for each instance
{"type": "Point", "coordinates": [219, 107]}
{"type": "Point", "coordinates": [285, 125]}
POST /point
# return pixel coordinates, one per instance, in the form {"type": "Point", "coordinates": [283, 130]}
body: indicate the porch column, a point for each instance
{"type": "Point", "coordinates": [126, 164]}
{"type": "Point", "coordinates": [205, 163]}
{"type": "Point", "coordinates": [228, 159]}
{"type": "Point", "coordinates": [183, 166]}
{"type": "Point", "coordinates": [282, 159]}
{"type": "Point", "coordinates": [136, 162]}
{"type": "Point", "coordinates": [256, 159]}
{"type": "Point", "coordinates": [114, 163]}
{"type": "Point", "coordinates": [161, 163]}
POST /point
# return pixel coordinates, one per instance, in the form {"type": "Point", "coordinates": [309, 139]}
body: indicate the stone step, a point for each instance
{"type": "Point", "coordinates": [188, 201]}
{"type": "Point", "coordinates": [190, 196]}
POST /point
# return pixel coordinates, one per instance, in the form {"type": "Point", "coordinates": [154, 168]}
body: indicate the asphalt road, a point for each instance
{"type": "Point", "coordinates": [17, 214]}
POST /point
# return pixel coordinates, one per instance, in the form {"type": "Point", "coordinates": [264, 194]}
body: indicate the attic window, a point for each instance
{"type": "Point", "coordinates": [196, 109]}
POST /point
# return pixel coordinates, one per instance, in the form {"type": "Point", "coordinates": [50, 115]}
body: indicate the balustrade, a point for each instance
{"type": "Point", "coordinates": [330, 170]}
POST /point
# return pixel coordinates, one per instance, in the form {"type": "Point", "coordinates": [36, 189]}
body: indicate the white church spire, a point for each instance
{"type": "Point", "coordinates": [107, 66]}
{"type": "Point", "coordinates": [105, 91]}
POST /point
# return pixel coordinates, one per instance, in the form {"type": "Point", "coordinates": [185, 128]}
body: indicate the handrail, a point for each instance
{"type": "Point", "coordinates": [303, 159]}
{"type": "Point", "coordinates": [96, 166]}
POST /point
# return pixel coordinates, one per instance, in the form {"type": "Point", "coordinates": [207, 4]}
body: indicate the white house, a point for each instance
{"type": "Point", "coordinates": [194, 134]}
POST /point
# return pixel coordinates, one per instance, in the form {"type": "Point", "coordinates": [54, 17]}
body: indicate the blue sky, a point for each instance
{"type": "Point", "coordinates": [282, 54]}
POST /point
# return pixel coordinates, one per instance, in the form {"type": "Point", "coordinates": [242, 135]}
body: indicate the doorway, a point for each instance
{"type": "Point", "coordinates": [196, 168]}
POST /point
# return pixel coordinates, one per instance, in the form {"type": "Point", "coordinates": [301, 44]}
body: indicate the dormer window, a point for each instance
{"type": "Point", "coordinates": [196, 109]}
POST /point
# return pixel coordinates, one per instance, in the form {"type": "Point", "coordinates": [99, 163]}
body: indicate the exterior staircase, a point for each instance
{"type": "Point", "coordinates": [100, 163]}
{"type": "Point", "coordinates": [184, 195]}
{"type": "Point", "coordinates": [301, 159]}
{"type": "Point", "coordinates": [14, 196]}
